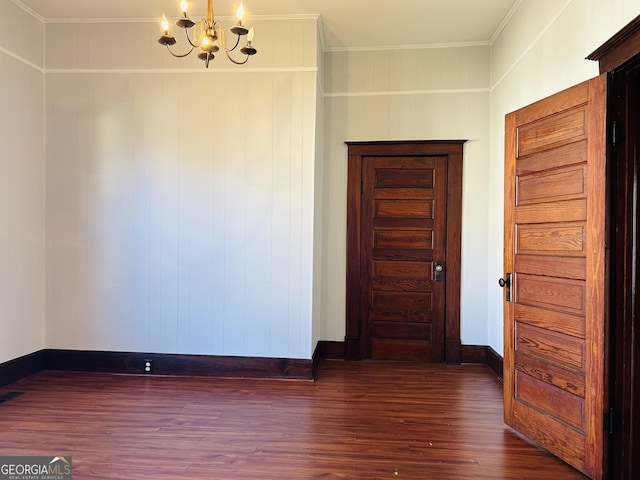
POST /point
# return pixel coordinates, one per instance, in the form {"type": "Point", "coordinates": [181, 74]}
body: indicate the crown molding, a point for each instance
{"type": "Point", "coordinates": [172, 18]}
{"type": "Point", "coordinates": [29, 10]}
{"type": "Point", "coordinates": [407, 47]}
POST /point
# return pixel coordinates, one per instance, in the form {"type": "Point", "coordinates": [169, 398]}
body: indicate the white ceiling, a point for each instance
{"type": "Point", "coordinates": [346, 23]}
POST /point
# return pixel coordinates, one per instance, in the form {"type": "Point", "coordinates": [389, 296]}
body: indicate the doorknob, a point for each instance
{"type": "Point", "coordinates": [506, 282]}
{"type": "Point", "coordinates": [437, 272]}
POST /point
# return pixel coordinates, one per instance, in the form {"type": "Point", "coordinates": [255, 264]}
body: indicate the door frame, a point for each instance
{"type": "Point", "coordinates": [616, 56]}
{"type": "Point", "coordinates": [625, 358]}
{"type": "Point", "coordinates": [357, 153]}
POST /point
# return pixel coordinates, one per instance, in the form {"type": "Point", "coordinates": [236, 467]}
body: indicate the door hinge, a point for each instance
{"type": "Point", "coordinates": [610, 421]}
{"type": "Point", "coordinates": [613, 133]}
{"type": "Point", "coordinates": [617, 133]}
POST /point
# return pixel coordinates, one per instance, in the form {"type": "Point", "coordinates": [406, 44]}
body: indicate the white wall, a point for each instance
{"type": "Point", "coordinates": [320, 251]}
{"type": "Point", "coordinates": [21, 183]}
{"type": "Point", "coordinates": [188, 230]}
{"type": "Point", "coordinates": [417, 94]}
{"type": "Point", "coordinates": [540, 52]}
{"type": "Point", "coordinates": [180, 201]}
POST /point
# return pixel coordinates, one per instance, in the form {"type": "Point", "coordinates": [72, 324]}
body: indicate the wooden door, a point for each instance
{"type": "Point", "coordinates": [554, 353]}
{"type": "Point", "coordinates": [403, 234]}
{"type": "Point", "coordinates": [403, 250]}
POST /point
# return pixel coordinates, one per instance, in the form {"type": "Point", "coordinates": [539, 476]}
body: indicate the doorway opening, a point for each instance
{"type": "Point", "coordinates": [620, 58]}
{"type": "Point", "coordinates": [625, 329]}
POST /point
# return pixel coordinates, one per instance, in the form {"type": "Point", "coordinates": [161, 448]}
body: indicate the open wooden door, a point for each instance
{"type": "Point", "coordinates": [555, 299]}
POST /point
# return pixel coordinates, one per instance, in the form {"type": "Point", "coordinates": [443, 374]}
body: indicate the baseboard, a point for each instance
{"type": "Point", "coordinates": [327, 350]}
{"type": "Point", "coordinates": [202, 365]}
{"type": "Point", "coordinates": [485, 355]}
{"type": "Point", "coordinates": [495, 362]}
{"type": "Point", "coordinates": [473, 354]}
{"type": "Point", "coordinates": [21, 367]}
{"type": "Point", "coordinates": [162, 364]}
{"type": "Point", "coordinates": [178, 364]}
{"type": "Point", "coordinates": [331, 350]}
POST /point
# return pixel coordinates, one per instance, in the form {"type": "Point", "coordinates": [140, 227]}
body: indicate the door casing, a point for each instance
{"type": "Point", "coordinates": [619, 56]}
{"type": "Point", "coordinates": [357, 152]}
{"type": "Point", "coordinates": [624, 329]}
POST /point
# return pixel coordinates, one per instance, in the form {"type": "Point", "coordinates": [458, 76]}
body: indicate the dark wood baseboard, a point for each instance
{"type": "Point", "coordinates": [495, 362]}
{"type": "Point", "coordinates": [474, 354]}
{"type": "Point", "coordinates": [328, 350]}
{"type": "Point", "coordinates": [162, 364]}
{"type": "Point", "coordinates": [331, 350]}
{"type": "Point", "coordinates": [21, 367]}
{"type": "Point", "coordinates": [485, 355]}
{"type": "Point", "coordinates": [203, 365]}
{"type": "Point", "coordinates": [178, 364]}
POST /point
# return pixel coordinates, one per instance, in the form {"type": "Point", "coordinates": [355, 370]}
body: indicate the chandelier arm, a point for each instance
{"type": "Point", "coordinates": [235, 46]}
{"type": "Point", "coordinates": [193, 45]}
{"type": "Point", "coordinates": [235, 61]}
{"type": "Point", "coordinates": [179, 55]}
{"type": "Point", "coordinates": [223, 41]}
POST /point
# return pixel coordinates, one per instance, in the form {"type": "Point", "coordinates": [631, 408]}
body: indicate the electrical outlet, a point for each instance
{"type": "Point", "coordinates": [148, 366]}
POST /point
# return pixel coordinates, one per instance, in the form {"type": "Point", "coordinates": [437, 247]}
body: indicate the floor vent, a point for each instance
{"type": "Point", "coordinates": [5, 397]}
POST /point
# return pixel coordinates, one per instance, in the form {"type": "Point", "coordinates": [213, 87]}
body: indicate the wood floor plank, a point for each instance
{"type": "Point", "coordinates": [359, 420]}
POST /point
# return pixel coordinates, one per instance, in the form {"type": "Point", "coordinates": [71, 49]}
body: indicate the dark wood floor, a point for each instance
{"type": "Point", "coordinates": [361, 420]}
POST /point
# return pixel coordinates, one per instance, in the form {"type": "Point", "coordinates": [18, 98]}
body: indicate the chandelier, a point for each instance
{"type": "Point", "coordinates": [205, 33]}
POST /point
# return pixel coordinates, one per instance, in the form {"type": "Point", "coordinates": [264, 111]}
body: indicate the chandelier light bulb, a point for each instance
{"type": "Point", "coordinates": [250, 35]}
{"type": "Point", "coordinates": [184, 5]}
{"type": "Point", "coordinates": [165, 24]}
{"type": "Point", "coordinates": [240, 12]}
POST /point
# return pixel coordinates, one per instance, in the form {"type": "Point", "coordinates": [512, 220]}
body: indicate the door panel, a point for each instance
{"type": "Point", "coordinates": [403, 234]}
{"type": "Point", "coordinates": [551, 237]}
{"type": "Point", "coordinates": [554, 247]}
